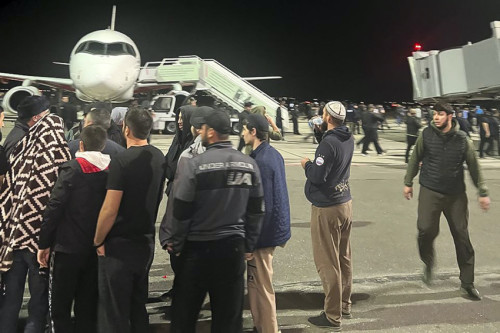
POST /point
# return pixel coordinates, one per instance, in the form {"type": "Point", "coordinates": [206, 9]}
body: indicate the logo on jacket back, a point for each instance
{"type": "Point", "coordinates": [239, 178]}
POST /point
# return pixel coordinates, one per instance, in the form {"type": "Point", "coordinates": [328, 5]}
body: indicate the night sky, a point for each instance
{"type": "Point", "coordinates": [323, 49]}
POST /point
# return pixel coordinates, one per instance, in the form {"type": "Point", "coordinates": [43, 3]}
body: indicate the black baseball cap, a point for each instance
{"type": "Point", "coordinates": [248, 104]}
{"type": "Point", "coordinates": [198, 116]}
{"type": "Point", "coordinates": [219, 121]}
{"type": "Point", "coordinates": [257, 121]}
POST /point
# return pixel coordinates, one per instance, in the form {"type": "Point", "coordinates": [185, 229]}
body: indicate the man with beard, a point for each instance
{"type": "Point", "coordinates": [443, 148]}
{"type": "Point", "coordinates": [218, 208]}
{"type": "Point", "coordinates": [328, 190]}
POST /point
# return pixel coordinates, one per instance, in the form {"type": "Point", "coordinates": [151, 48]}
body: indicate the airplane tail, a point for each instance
{"type": "Point", "coordinates": [113, 16]}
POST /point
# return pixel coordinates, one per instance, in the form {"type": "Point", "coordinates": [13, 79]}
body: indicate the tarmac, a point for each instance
{"type": "Point", "coordinates": [388, 294]}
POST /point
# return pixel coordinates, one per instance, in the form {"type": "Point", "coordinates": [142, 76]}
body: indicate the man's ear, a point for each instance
{"type": "Point", "coordinates": [81, 147]}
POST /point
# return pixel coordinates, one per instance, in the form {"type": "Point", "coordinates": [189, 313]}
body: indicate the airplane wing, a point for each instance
{"type": "Point", "coordinates": [65, 84]}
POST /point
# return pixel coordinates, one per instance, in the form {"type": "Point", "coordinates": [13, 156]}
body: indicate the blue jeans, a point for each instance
{"type": "Point", "coordinates": [24, 263]}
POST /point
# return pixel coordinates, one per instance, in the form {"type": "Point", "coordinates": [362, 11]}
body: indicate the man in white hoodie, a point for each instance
{"type": "Point", "coordinates": [68, 229]}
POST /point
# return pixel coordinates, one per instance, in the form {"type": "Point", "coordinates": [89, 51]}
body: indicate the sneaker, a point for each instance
{"type": "Point", "coordinates": [427, 276]}
{"type": "Point", "coordinates": [346, 314]}
{"type": "Point", "coordinates": [470, 292]}
{"type": "Point", "coordinates": [364, 154]}
{"type": "Point", "coordinates": [322, 321]}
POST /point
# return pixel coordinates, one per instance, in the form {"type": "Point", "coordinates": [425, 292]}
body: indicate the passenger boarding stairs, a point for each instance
{"type": "Point", "coordinates": [213, 78]}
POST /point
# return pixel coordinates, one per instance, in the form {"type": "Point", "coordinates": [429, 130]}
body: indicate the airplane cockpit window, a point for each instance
{"type": "Point", "coordinates": [116, 49]}
{"type": "Point", "coordinates": [130, 49]}
{"type": "Point", "coordinates": [81, 47]}
{"type": "Point", "coordinates": [94, 47]}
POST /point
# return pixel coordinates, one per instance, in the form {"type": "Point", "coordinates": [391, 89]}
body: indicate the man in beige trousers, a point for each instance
{"type": "Point", "coordinates": [328, 189]}
{"type": "Point", "coordinates": [275, 228]}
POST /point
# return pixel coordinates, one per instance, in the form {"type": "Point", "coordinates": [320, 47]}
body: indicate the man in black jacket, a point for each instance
{"type": "Point", "coordinates": [412, 127]}
{"type": "Point", "coordinates": [328, 189]}
{"type": "Point", "coordinates": [100, 117]}
{"type": "Point", "coordinates": [370, 121]}
{"type": "Point", "coordinates": [68, 230]}
{"type": "Point", "coordinates": [218, 207]}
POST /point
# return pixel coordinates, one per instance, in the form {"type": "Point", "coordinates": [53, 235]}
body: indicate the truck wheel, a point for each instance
{"type": "Point", "coordinates": [170, 128]}
{"type": "Point", "coordinates": [235, 129]}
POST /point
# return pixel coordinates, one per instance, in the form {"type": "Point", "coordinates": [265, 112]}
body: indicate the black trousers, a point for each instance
{"type": "Point", "coordinates": [454, 206]}
{"type": "Point", "coordinates": [123, 286]}
{"type": "Point", "coordinates": [371, 136]}
{"type": "Point", "coordinates": [74, 278]}
{"type": "Point", "coordinates": [295, 125]}
{"type": "Point", "coordinates": [410, 140]}
{"type": "Point", "coordinates": [216, 268]}
{"type": "Point", "coordinates": [24, 265]}
{"type": "Point", "coordinates": [485, 141]}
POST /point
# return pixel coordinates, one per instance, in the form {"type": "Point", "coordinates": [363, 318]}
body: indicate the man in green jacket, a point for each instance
{"type": "Point", "coordinates": [442, 149]}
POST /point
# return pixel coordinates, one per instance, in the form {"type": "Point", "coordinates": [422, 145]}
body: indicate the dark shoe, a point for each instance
{"type": "Point", "coordinates": [297, 133]}
{"type": "Point", "coordinates": [427, 277]}
{"type": "Point", "coordinates": [322, 321]}
{"type": "Point", "coordinates": [471, 293]}
{"type": "Point", "coordinates": [346, 315]}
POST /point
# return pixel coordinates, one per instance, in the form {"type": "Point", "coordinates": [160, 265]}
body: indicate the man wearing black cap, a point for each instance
{"type": "Point", "coordinates": [218, 210]}
{"type": "Point", "coordinates": [328, 189]}
{"type": "Point", "coordinates": [275, 228]}
{"type": "Point", "coordinates": [442, 150]}
{"type": "Point", "coordinates": [29, 111]}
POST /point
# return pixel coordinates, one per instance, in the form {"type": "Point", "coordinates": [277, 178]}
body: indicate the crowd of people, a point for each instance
{"type": "Point", "coordinates": [78, 215]}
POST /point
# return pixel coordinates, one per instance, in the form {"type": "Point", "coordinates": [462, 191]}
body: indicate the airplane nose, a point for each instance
{"type": "Point", "coordinates": [102, 81]}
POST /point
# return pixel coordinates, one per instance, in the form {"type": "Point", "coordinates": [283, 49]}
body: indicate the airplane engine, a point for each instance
{"type": "Point", "coordinates": [15, 95]}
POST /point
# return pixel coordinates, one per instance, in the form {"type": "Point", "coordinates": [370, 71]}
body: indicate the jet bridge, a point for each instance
{"type": "Point", "coordinates": [212, 78]}
{"type": "Point", "coordinates": [461, 74]}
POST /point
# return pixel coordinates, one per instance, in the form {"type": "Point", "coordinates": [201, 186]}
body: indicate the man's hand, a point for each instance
{"type": "Point", "coordinates": [484, 203]}
{"type": "Point", "coordinates": [43, 257]}
{"type": "Point", "coordinates": [304, 161]}
{"type": "Point", "coordinates": [248, 256]}
{"type": "Point", "coordinates": [101, 251]}
{"type": "Point", "coordinates": [408, 192]}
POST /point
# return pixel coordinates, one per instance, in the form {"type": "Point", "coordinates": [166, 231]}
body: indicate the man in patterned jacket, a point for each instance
{"type": "Point", "coordinates": [24, 195]}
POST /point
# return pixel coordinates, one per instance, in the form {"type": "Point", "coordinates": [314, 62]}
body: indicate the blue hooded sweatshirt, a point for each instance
{"type": "Point", "coordinates": [328, 175]}
{"type": "Point", "coordinates": [276, 227]}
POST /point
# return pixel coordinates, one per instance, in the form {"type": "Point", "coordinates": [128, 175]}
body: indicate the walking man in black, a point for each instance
{"type": "Point", "coordinates": [443, 148]}
{"type": "Point", "coordinates": [218, 207]}
{"type": "Point", "coordinates": [412, 127]}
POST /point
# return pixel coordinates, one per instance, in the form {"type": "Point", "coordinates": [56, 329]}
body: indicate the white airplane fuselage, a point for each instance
{"type": "Point", "coordinates": [104, 66]}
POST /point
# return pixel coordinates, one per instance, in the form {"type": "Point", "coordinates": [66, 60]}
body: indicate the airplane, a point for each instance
{"type": "Point", "coordinates": [104, 66]}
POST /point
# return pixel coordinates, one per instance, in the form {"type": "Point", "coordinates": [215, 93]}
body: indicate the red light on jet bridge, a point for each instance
{"type": "Point", "coordinates": [417, 47]}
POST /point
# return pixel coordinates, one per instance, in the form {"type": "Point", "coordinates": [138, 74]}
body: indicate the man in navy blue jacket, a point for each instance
{"type": "Point", "coordinates": [276, 227]}
{"type": "Point", "coordinates": [328, 189]}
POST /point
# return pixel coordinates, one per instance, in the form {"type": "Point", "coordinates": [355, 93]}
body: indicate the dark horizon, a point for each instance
{"type": "Point", "coordinates": [325, 50]}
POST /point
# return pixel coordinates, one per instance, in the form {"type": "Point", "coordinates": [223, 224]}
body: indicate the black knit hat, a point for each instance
{"type": "Point", "coordinates": [31, 106]}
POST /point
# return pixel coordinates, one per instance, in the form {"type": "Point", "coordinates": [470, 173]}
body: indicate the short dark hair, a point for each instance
{"type": "Point", "coordinates": [139, 121]}
{"type": "Point", "coordinates": [93, 138]}
{"type": "Point", "coordinates": [441, 106]}
{"type": "Point", "coordinates": [100, 117]}
{"type": "Point", "coordinates": [261, 135]}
